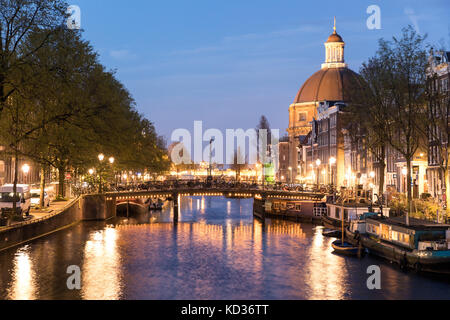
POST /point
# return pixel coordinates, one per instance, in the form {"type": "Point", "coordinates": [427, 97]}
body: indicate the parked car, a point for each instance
{"type": "Point", "coordinates": [22, 198]}
{"type": "Point", "coordinates": [36, 198]}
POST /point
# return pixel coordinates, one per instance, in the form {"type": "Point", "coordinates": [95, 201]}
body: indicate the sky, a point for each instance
{"type": "Point", "coordinates": [226, 63]}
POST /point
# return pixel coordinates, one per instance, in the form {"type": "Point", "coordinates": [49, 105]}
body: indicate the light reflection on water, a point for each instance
{"type": "Point", "coordinates": [23, 285]}
{"type": "Point", "coordinates": [217, 251]}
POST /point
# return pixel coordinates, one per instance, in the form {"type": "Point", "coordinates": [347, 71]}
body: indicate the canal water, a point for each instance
{"type": "Point", "coordinates": [217, 251]}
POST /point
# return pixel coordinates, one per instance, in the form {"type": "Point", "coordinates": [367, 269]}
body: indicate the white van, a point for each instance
{"type": "Point", "coordinates": [22, 198]}
{"type": "Point", "coordinates": [36, 198]}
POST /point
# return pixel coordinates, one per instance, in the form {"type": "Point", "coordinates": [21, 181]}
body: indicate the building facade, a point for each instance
{"type": "Point", "coordinates": [316, 142]}
{"type": "Point", "coordinates": [439, 79]}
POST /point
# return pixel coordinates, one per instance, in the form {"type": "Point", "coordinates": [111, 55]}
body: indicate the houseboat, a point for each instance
{"type": "Point", "coordinates": [308, 209]}
{"type": "Point", "coordinates": [421, 245]}
{"type": "Point", "coordinates": [351, 211]}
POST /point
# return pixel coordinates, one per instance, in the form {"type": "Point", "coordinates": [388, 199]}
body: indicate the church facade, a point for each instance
{"type": "Point", "coordinates": [316, 136]}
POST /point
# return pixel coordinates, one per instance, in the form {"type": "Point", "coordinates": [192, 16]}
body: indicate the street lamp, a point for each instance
{"type": "Point", "coordinates": [318, 163]}
{"type": "Point", "coordinates": [111, 162]}
{"type": "Point", "coordinates": [332, 163]}
{"type": "Point", "coordinates": [290, 174]}
{"type": "Point", "coordinates": [210, 158]}
{"type": "Point", "coordinates": [101, 157]}
{"type": "Point", "coordinates": [26, 169]}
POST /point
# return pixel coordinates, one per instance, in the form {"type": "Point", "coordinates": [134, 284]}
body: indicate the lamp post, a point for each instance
{"type": "Point", "coordinates": [332, 163]}
{"type": "Point", "coordinates": [101, 157]}
{"type": "Point", "coordinates": [290, 175]}
{"type": "Point", "coordinates": [25, 170]}
{"type": "Point", "coordinates": [91, 173]}
{"type": "Point", "coordinates": [111, 162]}
{"type": "Point", "coordinates": [210, 159]}
{"type": "Point", "coordinates": [318, 163]}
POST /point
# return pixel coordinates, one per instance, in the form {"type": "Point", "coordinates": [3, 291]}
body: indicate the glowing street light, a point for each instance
{"type": "Point", "coordinates": [112, 160]}
{"type": "Point", "coordinates": [318, 163]}
{"type": "Point", "coordinates": [101, 157]}
{"type": "Point", "coordinates": [91, 171]}
{"type": "Point", "coordinates": [26, 168]}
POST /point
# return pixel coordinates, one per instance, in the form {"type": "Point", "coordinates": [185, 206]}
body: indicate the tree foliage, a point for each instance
{"type": "Point", "coordinates": [59, 106]}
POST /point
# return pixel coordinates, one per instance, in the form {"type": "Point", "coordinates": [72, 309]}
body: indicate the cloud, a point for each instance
{"type": "Point", "coordinates": [229, 42]}
{"type": "Point", "coordinates": [122, 55]}
{"type": "Point", "coordinates": [413, 17]}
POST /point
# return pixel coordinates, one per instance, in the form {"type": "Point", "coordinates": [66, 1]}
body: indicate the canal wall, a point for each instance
{"type": "Point", "coordinates": [98, 208]}
{"type": "Point", "coordinates": [86, 208]}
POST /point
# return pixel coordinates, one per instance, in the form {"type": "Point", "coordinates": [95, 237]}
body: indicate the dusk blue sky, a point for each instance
{"type": "Point", "coordinates": [229, 62]}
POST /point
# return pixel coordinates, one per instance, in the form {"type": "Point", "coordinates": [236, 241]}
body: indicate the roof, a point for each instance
{"type": "Point", "coordinates": [414, 224]}
{"type": "Point", "coordinates": [330, 84]}
{"type": "Point", "coordinates": [335, 38]}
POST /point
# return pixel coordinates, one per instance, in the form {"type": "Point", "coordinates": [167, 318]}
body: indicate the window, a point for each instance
{"type": "Point", "coordinates": [302, 116]}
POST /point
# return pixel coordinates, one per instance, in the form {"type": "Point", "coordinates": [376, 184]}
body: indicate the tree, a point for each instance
{"type": "Point", "coordinates": [59, 96]}
{"type": "Point", "coordinates": [264, 125]}
{"type": "Point", "coordinates": [405, 63]}
{"type": "Point", "coordinates": [239, 163]}
{"type": "Point", "coordinates": [19, 19]}
{"type": "Point", "coordinates": [368, 114]}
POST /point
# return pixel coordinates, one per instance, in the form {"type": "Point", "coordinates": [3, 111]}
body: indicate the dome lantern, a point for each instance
{"type": "Point", "coordinates": [334, 51]}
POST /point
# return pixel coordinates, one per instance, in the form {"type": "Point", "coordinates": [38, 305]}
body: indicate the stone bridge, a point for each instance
{"type": "Point", "coordinates": [140, 198]}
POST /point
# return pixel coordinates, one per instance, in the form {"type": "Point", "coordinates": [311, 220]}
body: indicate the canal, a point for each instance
{"type": "Point", "coordinates": [217, 251]}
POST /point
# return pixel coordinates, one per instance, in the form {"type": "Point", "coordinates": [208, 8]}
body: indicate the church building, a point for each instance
{"type": "Point", "coordinates": [316, 141]}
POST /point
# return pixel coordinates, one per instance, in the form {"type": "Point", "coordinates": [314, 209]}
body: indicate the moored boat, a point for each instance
{"type": "Point", "coordinates": [345, 248]}
{"type": "Point", "coordinates": [347, 212]}
{"type": "Point", "coordinates": [332, 233]}
{"type": "Point", "coordinates": [421, 245]}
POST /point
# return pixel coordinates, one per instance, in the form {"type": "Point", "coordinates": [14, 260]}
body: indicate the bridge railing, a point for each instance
{"type": "Point", "coordinates": [180, 186]}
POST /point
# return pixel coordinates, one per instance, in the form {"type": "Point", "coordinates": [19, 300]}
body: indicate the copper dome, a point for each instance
{"type": "Point", "coordinates": [330, 84]}
{"type": "Point", "coordinates": [335, 38]}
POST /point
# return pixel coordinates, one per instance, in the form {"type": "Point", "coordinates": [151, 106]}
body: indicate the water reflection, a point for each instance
{"type": "Point", "coordinates": [327, 271]}
{"type": "Point", "coordinates": [216, 251]}
{"type": "Point", "coordinates": [23, 278]}
{"type": "Point", "coordinates": [101, 271]}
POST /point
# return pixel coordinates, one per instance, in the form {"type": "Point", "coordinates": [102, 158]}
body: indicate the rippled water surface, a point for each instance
{"type": "Point", "coordinates": [217, 251]}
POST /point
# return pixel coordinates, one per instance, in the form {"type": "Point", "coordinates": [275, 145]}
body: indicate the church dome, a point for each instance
{"type": "Point", "coordinates": [329, 84]}
{"type": "Point", "coordinates": [335, 38]}
{"type": "Point", "coordinates": [335, 81]}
